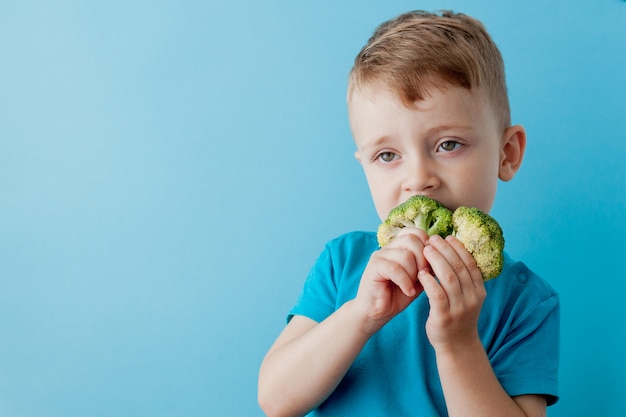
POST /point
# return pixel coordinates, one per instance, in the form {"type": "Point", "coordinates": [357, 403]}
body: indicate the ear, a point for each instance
{"type": "Point", "coordinates": [512, 152]}
{"type": "Point", "coordinates": [357, 155]}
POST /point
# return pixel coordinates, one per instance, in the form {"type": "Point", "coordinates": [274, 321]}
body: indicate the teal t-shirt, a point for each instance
{"type": "Point", "coordinates": [396, 373]}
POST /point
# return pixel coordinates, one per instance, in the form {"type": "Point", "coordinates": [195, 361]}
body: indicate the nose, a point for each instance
{"type": "Point", "coordinates": [420, 176]}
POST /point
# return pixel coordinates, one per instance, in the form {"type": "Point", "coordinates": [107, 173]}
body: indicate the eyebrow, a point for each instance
{"type": "Point", "coordinates": [376, 143]}
{"type": "Point", "coordinates": [444, 128]}
{"type": "Point", "coordinates": [428, 133]}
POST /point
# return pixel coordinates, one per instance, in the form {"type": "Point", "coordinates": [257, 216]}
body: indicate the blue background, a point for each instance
{"type": "Point", "coordinates": [169, 170]}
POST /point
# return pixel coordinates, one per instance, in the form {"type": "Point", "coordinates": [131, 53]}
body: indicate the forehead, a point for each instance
{"type": "Point", "coordinates": [376, 112]}
{"type": "Point", "coordinates": [452, 100]}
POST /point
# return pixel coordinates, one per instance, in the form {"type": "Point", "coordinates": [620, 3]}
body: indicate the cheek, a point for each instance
{"type": "Point", "coordinates": [483, 193]}
{"type": "Point", "coordinates": [382, 196]}
{"type": "Point", "coordinates": [375, 181]}
{"type": "Point", "coordinates": [476, 186]}
{"type": "Point", "coordinates": [381, 202]}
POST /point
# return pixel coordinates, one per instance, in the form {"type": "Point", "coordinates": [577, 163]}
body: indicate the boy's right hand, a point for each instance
{"type": "Point", "coordinates": [389, 283]}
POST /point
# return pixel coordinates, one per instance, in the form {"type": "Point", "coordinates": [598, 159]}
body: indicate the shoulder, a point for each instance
{"type": "Point", "coordinates": [519, 290]}
{"type": "Point", "coordinates": [334, 277]}
{"type": "Point", "coordinates": [353, 240]}
{"type": "Point", "coordinates": [518, 277]}
{"type": "Point", "coordinates": [350, 252]}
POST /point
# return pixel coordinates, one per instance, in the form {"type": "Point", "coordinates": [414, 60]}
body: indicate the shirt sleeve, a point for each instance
{"type": "Point", "coordinates": [318, 298]}
{"type": "Point", "coordinates": [526, 359]}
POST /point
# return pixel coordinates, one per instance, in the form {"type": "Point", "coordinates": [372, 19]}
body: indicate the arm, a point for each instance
{"type": "Point", "coordinates": [469, 384]}
{"type": "Point", "coordinates": [303, 368]}
{"type": "Point", "coordinates": [471, 388]}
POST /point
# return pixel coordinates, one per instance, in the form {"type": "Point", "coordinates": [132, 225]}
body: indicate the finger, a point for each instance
{"type": "Point", "coordinates": [416, 231]}
{"type": "Point", "coordinates": [454, 252]}
{"type": "Point", "coordinates": [437, 296]}
{"type": "Point", "coordinates": [468, 260]}
{"type": "Point", "coordinates": [448, 268]}
{"type": "Point", "coordinates": [398, 266]}
{"type": "Point", "coordinates": [414, 240]}
{"type": "Point", "coordinates": [464, 289]}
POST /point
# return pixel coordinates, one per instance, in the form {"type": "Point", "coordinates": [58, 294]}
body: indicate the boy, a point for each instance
{"type": "Point", "coordinates": [374, 332]}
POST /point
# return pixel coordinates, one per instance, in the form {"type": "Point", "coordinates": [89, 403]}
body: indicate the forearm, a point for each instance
{"type": "Point", "coordinates": [298, 375]}
{"type": "Point", "coordinates": [470, 386]}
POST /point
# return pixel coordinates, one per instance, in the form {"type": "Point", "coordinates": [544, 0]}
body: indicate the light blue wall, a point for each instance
{"type": "Point", "coordinates": [169, 170]}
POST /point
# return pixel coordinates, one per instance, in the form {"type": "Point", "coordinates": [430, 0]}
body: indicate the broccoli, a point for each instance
{"type": "Point", "coordinates": [479, 232]}
{"type": "Point", "coordinates": [418, 211]}
{"type": "Point", "coordinates": [482, 237]}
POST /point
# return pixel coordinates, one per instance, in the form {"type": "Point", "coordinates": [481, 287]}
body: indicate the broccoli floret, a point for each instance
{"type": "Point", "coordinates": [482, 237]}
{"type": "Point", "coordinates": [418, 211]}
{"type": "Point", "coordinates": [479, 232]}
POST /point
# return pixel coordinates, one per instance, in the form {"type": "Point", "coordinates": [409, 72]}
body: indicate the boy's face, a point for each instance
{"type": "Point", "coordinates": [448, 147]}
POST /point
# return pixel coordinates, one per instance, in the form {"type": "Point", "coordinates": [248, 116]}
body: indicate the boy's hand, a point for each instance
{"type": "Point", "coordinates": [389, 283]}
{"type": "Point", "coordinates": [456, 295]}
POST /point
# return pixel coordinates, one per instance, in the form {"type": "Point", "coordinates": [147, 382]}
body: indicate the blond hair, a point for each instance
{"type": "Point", "coordinates": [418, 51]}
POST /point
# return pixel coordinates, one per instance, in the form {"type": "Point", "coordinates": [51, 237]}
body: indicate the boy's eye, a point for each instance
{"type": "Point", "coordinates": [386, 156]}
{"type": "Point", "coordinates": [449, 145]}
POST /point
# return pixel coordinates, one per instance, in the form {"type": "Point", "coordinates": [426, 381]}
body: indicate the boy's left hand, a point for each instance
{"type": "Point", "coordinates": [456, 296]}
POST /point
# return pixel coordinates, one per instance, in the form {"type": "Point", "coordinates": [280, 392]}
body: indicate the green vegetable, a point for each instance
{"type": "Point", "coordinates": [479, 232]}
